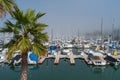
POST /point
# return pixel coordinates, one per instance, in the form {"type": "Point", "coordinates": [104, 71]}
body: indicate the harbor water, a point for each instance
{"type": "Point", "coordinates": [63, 71]}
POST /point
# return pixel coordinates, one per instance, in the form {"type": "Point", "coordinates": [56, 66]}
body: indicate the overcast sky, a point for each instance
{"type": "Point", "coordinates": [71, 16]}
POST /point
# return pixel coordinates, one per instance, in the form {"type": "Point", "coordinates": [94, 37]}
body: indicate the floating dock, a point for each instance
{"type": "Point", "coordinates": [41, 60]}
{"type": "Point", "coordinates": [56, 61]}
{"type": "Point", "coordinates": [71, 56]}
{"type": "Point", "coordinates": [59, 56]}
{"type": "Point", "coordinates": [86, 58]}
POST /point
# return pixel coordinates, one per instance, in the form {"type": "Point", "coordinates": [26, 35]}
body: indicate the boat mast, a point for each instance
{"type": "Point", "coordinates": [78, 35]}
{"type": "Point", "coordinates": [113, 29]}
{"type": "Point", "coordinates": [101, 28]}
{"type": "Point", "coordinates": [51, 35]}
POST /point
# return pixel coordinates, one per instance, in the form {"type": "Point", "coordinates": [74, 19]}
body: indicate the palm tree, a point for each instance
{"type": "Point", "coordinates": [28, 34]}
{"type": "Point", "coordinates": [6, 6]}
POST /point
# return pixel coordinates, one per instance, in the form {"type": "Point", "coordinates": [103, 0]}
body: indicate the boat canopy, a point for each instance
{"type": "Point", "coordinates": [33, 57]}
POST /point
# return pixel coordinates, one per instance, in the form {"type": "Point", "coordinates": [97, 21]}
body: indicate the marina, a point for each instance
{"type": "Point", "coordinates": [72, 59]}
{"type": "Point", "coordinates": [89, 56]}
{"type": "Point", "coordinates": [64, 70]}
{"type": "Point", "coordinates": [63, 63]}
{"type": "Point", "coordinates": [59, 40]}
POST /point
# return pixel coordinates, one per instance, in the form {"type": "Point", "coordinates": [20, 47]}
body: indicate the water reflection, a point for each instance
{"type": "Point", "coordinates": [97, 69]}
{"type": "Point", "coordinates": [1, 64]}
{"type": "Point", "coordinates": [33, 67]}
{"type": "Point", "coordinates": [66, 60]}
{"type": "Point", "coordinates": [15, 68]}
{"type": "Point", "coordinates": [115, 67]}
{"type": "Point", "coordinates": [18, 68]}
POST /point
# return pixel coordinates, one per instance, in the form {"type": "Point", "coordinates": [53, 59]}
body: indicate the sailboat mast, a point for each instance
{"type": "Point", "coordinates": [113, 29]}
{"type": "Point", "coordinates": [78, 34]}
{"type": "Point", "coordinates": [51, 34]}
{"type": "Point", "coordinates": [101, 28]}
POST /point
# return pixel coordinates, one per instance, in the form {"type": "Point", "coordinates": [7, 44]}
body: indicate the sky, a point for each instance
{"type": "Point", "coordinates": [67, 17]}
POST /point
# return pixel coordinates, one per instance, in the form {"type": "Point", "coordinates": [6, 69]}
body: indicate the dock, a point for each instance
{"type": "Point", "coordinates": [41, 60]}
{"type": "Point", "coordinates": [71, 56]}
{"type": "Point", "coordinates": [56, 61]}
{"type": "Point", "coordinates": [57, 58]}
{"type": "Point", "coordinates": [86, 58]}
{"type": "Point", "coordinates": [50, 56]}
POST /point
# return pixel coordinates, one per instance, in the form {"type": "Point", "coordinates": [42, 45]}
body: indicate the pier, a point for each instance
{"type": "Point", "coordinates": [59, 56]}
{"type": "Point", "coordinates": [56, 61]}
{"type": "Point", "coordinates": [71, 56]}
{"type": "Point", "coordinates": [41, 60]}
{"type": "Point", "coordinates": [86, 58]}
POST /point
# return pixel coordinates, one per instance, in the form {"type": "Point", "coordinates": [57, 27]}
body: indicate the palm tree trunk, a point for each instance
{"type": "Point", "coordinates": [24, 66]}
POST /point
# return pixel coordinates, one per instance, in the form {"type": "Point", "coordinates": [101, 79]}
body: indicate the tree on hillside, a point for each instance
{"type": "Point", "coordinates": [28, 34]}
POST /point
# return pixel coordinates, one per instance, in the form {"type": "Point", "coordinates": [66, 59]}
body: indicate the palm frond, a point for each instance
{"type": "Point", "coordinates": [39, 27]}
{"type": "Point", "coordinates": [11, 51]}
{"type": "Point", "coordinates": [10, 27]}
{"type": "Point", "coordinates": [38, 49]}
{"type": "Point", "coordinates": [23, 44]}
{"type": "Point", "coordinates": [6, 6]}
{"type": "Point", "coordinates": [38, 15]}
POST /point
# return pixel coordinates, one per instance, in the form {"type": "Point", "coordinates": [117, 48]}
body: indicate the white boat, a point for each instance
{"type": "Point", "coordinates": [97, 58]}
{"type": "Point", "coordinates": [78, 45]}
{"type": "Point", "coordinates": [68, 45]}
{"type": "Point", "coordinates": [86, 46]}
{"type": "Point", "coordinates": [2, 55]}
{"type": "Point", "coordinates": [66, 50]}
{"type": "Point", "coordinates": [29, 60]}
{"type": "Point", "coordinates": [16, 58]}
{"type": "Point", "coordinates": [2, 58]}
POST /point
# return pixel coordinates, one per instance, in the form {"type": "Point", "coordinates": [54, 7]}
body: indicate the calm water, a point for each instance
{"type": "Point", "coordinates": [62, 71]}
